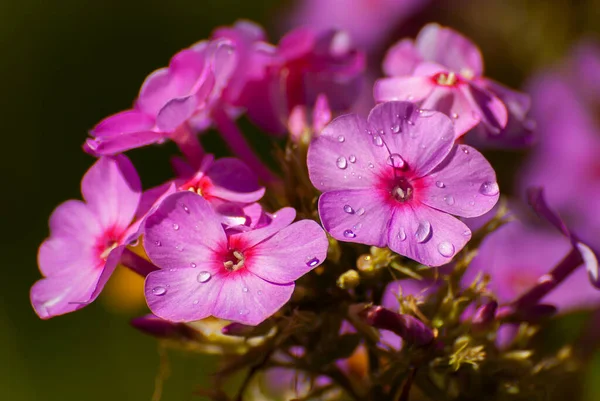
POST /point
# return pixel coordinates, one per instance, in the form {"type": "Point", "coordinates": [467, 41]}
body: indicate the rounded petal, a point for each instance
{"type": "Point", "coordinates": [234, 181]}
{"type": "Point", "coordinates": [426, 235]}
{"type": "Point", "coordinates": [464, 184]}
{"type": "Point", "coordinates": [62, 254]}
{"type": "Point", "coordinates": [421, 138]}
{"type": "Point", "coordinates": [176, 112]}
{"type": "Point", "coordinates": [183, 295]}
{"type": "Point", "coordinates": [401, 59]}
{"type": "Point", "coordinates": [73, 219]}
{"type": "Point", "coordinates": [125, 122]}
{"type": "Point", "coordinates": [184, 230]}
{"type": "Point", "coordinates": [408, 88]}
{"type": "Point", "coordinates": [355, 216]}
{"type": "Point", "coordinates": [491, 110]}
{"type": "Point", "coordinates": [452, 102]}
{"type": "Point", "coordinates": [449, 48]}
{"type": "Point", "coordinates": [112, 145]}
{"type": "Point", "coordinates": [112, 189]}
{"type": "Point", "coordinates": [281, 219]}
{"type": "Point", "coordinates": [289, 254]}
{"type": "Point", "coordinates": [248, 299]}
{"type": "Point", "coordinates": [345, 155]}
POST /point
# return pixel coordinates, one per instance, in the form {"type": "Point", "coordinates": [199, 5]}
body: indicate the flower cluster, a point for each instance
{"type": "Point", "coordinates": [374, 260]}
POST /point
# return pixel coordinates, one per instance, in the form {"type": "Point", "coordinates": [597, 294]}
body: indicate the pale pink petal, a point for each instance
{"type": "Point", "coordinates": [289, 254]}
{"type": "Point", "coordinates": [464, 184]}
{"type": "Point", "coordinates": [410, 88]}
{"type": "Point", "coordinates": [452, 102]}
{"type": "Point", "coordinates": [62, 254]}
{"type": "Point", "coordinates": [183, 295]}
{"type": "Point", "coordinates": [422, 138]}
{"type": "Point", "coordinates": [401, 59]}
{"type": "Point", "coordinates": [115, 144]}
{"type": "Point", "coordinates": [347, 155]}
{"type": "Point", "coordinates": [358, 215]}
{"type": "Point", "coordinates": [281, 219]}
{"type": "Point", "coordinates": [74, 219]}
{"type": "Point", "coordinates": [112, 189]}
{"type": "Point", "coordinates": [248, 299]}
{"type": "Point", "coordinates": [184, 230]}
{"type": "Point", "coordinates": [429, 236]}
{"type": "Point", "coordinates": [175, 112]}
{"type": "Point", "coordinates": [125, 122]}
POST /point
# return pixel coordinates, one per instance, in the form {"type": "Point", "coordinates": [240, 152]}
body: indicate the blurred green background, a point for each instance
{"type": "Point", "coordinates": [66, 64]}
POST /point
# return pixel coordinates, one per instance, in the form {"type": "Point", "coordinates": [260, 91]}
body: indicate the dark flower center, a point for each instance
{"type": "Point", "coordinates": [402, 190]}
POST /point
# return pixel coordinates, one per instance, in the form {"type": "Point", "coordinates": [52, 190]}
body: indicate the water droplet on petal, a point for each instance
{"type": "Point", "coordinates": [446, 249]}
{"type": "Point", "coordinates": [193, 264]}
{"type": "Point", "coordinates": [467, 233]}
{"type": "Point", "coordinates": [440, 184]}
{"type": "Point", "coordinates": [157, 243]}
{"type": "Point", "coordinates": [175, 226]}
{"type": "Point", "coordinates": [423, 231]}
{"type": "Point", "coordinates": [195, 302]}
{"type": "Point", "coordinates": [352, 159]}
{"type": "Point", "coordinates": [348, 209]}
{"type": "Point", "coordinates": [312, 261]}
{"type": "Point", "coordinates": [341, 162]}
{"type": "Point", "coordinates": [185, 208]}
{"type": "Point", "coordinates": [357, 226]}
{"type": "Point", "coordinates": [377, 141]}
{"type": "Point", "coordinates": [454, 116]}
{"type": "Point", "coordinates": [349, 234]}
{"type": "Point", "coordinates": [426, 113]}
{"type": "Point", "coordinates": [472, 203]}
{"type": "Point", "coordinates": [449, 199]}
{"type": "Point", "coordinates": [489, 188]}
{"type": "Point", "coordinates": [371, 165]}
{"type": "Point", "coordinates": [360, 211]}
{"type": "Point", "coordinates": [159, 291]}
{"type": "Point", "coordinates": [395, 160]}
{"type": "Point", "coordinates": [259, 292]}
{"type": "Point", "coordinates": [341, 138]}
{"type": "Point", "coordinates": [465, 151]}
{"type": "Point", "coordinates": [395, 128]}
{"type": "Point", "coordinates": [245, 289]}
{"type": "Point", "coordinates": [204, 276]}
{"type": "Point", "coordinates": [402, 234]}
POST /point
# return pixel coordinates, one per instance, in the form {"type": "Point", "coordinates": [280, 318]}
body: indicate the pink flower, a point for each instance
{"type": "Point", "coordinates": [87, 238]}
{"type": "Point", "coordinates": [443, 70]}
{"type": "Point", "coordinates": [395, 179]}
{"type": "Point", "coordinates": [171, 101]}
{"type": "Point", "coordinates": [244, 277]}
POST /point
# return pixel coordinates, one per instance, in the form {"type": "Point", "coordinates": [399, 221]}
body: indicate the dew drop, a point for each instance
{"type": "Point", "coordinates": [465, 151]}
{"type": "Point", "coordinates": [472, 203]}
{"type": "Point", "coordinates": [204, 276]}
{"type": "Point", "coordinates": [348, 209]}
{"type": "Point", "coordinates": [193, 264]}
{"type": "Point", "coordinates": [475, 115]}
{"type": "Point", "coordinates": [357, 226]}
{"type": "Point", "coordinates": [360, 211]}
{"type": "Point", "coordinates": [349, 234]}
{"type": "Point", "coordinates": [395, 160]}
{"type": "Point", "coordinates": [341, 162]}
{"type": "Point", "coordinates": [341, 138]}
{"type": "Point", "coordinates": [426, 113]}
{"type": "Point", "coordinates": [402, 234]}
{"type": "Point", "coordinates": [395, 128]}
{"type": "Point", "coordinates": [467, 233]}
{"type": "Point", "coordinates": [135, 242]}
{"type": "Point", "coordinates": [446, 249]}
{"type": "Point", "coordinates": [245, 289]}
{"type": "Point", "coordinates": [312, 261]}
{"type": "Point", "coordinates": [243, 311]}
{"type": "Point", "coordinates": [449, 199]}
{"type": "Point", "coordinates": [489, 188]}
{"type": "Point", "coordinates": [259, 292]}
{"type": "Point", "coordinates": [423, 231]}
{"type": "Point", "coordinates": [410, 122]}
{"type": "Point", "coordinates": [185, 208]}
{"type": "Point", "coordinates": [440, 184]}
{"type": "Point", "coordinates": [195, 302]}
{"type": "Point", "coordinates": [175, 226]}
{"type": "Point", "coordinates": [352, 159]}
{"type": "Point", "coordinates": [157, 243]}
{"type": "Point", "coordinates": [371, 165]}
{"type": "Point", "coordinates": [377, 141]}
{"type": "Point", "coordinates": [454, 116]}
{"type": "Point", "coordinates": [159, 291]}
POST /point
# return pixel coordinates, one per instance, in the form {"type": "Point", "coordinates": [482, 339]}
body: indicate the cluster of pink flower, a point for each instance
{"type": "Point", "coordinates": [395, 180]}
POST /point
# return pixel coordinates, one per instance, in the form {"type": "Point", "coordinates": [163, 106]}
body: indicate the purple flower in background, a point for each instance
{"type": "Point", "coordinates": [243, 277]}
{"type": "Point", "coordinates": [171, 101]}
{"type": "Point", "coordinates": [443, 70]}
{"type": "Point", "coordinates": [305, 64]}
{"type": "Point", "coordinates": [87, 238]}
{"type": "Point", "coordinates": [367, 21]}
{"type": "Point", "coordinates": [395, 179]}
{"type": "Point", "coordinates": [518, 257]}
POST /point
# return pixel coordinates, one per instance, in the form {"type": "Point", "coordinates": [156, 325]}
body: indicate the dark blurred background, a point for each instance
{"type": "Point", "coordinates": [69, 63]}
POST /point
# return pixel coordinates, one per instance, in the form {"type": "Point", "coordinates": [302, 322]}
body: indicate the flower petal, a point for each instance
{"type": "Point", "coordinates": [112, 189]}
{"type": "Point", "coordinates": [355, 216]}
{"type": "Point", "coordinates": [449, 48]}
{"type": "Point", "coordinates": [125, 122]}
{"type": "Point", "coordinates": [345, 155]}
{"type": "Point", "coordinates": [115, 144]}
{"type": "Point", "coordinates": [281, 219]}
{"type": "Point", "coordinates": [426, 235]}
{"type": "Point", "coordinates": [289, 254]}
{"type": "Point", "coordinates": [182, 231]}
{"type": "Point", "coordinates": [464, 184]}
{"type": "Point", "coordinates": [248, 299]}
{"type": "Point", "coordinates": [401, 59]}
{"type": "Point", "coordinates": [409, 88]}
{"type": "Point", "coordinates": [234, 181]}
{"type": "Point", "coordinates": [452, 102]}
{"type": "Point", "coordinates": [492, 111]}
{"type": "Point", "coordinates": [422, 139]}
{"type": "Point", "coordinates": [183, 295]}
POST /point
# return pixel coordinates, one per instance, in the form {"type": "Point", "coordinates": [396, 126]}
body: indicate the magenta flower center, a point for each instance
{"type": "Point", "coordinates": [234, 261]}
{"type": "Point", "coordinates": [402, 190]}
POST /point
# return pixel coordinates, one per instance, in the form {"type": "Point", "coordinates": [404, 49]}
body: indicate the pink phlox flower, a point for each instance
{"type": "Point", "coordinates": [300, 123]}
{"type": "Point", "coordinates": [171, 100]}
{"type": "Point", "coordinates": [87, 238]}
{"type": "Point", "coordinates": [244, 277]}
{"type": "Point", "coordinates": [396, 178]}
{"type": "Point", "coordinates": [305, 64]}
{"type": "Point", "coordinates": [443, 70]}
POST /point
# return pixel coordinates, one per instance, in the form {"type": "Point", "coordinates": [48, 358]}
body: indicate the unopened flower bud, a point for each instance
{"type": "Point", "coordinates": [411, 329]}
{"type": "Point", "coordinates": [161, 328]}
{"type": "Point", "coordinates": [348, 280]}
{"type": "Point", "coordinates": [484, 315]}
{"type": "Point", "coordinates": [365, 264]}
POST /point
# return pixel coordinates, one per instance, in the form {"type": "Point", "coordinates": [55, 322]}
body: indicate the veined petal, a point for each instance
{"type": "Point", "coordinates": [234, 181]}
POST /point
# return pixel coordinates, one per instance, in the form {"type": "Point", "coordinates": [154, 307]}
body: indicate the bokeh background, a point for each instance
{"type": "Point", "coordinates": [66, 64]}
